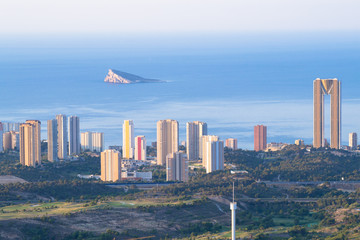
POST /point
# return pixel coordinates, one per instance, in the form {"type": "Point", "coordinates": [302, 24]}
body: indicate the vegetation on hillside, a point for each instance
{"type": "Point", "coordinates": [199, 208]}
{"type": "Point", "coordinates": [294, 163]}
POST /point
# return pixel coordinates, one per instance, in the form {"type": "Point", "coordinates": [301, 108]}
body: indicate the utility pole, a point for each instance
{"type": "Point", "coordinates": [233, 215]}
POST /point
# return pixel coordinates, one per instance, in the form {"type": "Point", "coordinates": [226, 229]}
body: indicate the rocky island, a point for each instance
{"type": "Point", "coordinates": [115, 76]}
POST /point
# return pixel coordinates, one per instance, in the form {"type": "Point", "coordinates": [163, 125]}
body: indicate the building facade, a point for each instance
{"type": "Point", "coordinates": [97, 141]}
{"type": "Point", "coordinates": [167, 139]}
{"type": "Point", "coordinates": [194, 132]}
{"type": "Point", "coordinates": [327, 87]}
{"type": "Point", "coordinates": [6, 141]}
{"type": "Point", "coordinates": [92, 141]}
{"type": "Point", "coordinates": [11, 140]}
{"type": "Point", "coordinates": [231, 143]}
{"type": "Point", "coordinates": [30, 143]}
{"type": "Point", "coordinates": [128, 139]}
{"type": "Point", "coordinates": [353, 140]}
{"type": "Point", "coordinates": [86, 141]}
{"type": "Point", "coordinates": [15, 140]}
{"type": "Point", "coordinates": [62, 134]}
{"type": "Point", "coordinates": [110, 165]}
{"type": "Point", "coordinates": [140, 148]}
{"type": "Point", "coordinates": [177, 167]}
{"type": "Point", "coordinates": [274, 146]}
{"type": "Point", "coordinates": [52, 139]}
{"type": "Point", "coordinates": [204, 141]}
{"type": "Point", "coordinates": [213, 153]}
{"type": "Point", "coordinates": [1, 136]}
{"type": "Point", "coordinates": [74, 135]}
{"type": "Point", "coordinates": [299, 142]}
{"type": "Point", "coordinates": [11, 126]}
{"type": "Point", "coordinates": [260, 137]}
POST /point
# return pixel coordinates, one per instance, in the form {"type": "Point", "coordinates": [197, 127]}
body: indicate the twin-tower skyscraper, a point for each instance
{"type": "Point", "coordinates": [327, 87]}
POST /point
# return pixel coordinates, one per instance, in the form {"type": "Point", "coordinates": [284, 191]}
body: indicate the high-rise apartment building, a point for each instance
{"type": "Point", "coordinates": [205, 139]}
{"type": "Point", "coordinates": [231, 143]}
{"type": "Point", "coordinates": [167, 139]}
{"type": "Point", "coordinates": [353, 140]}
{"type": "Point", "coordinates": [92, 141]}
{"type": "Point", "coordinates": [52, 139]}
{"type": "Point", "coordinates": [74, 135]}
{"type": "Point", "coordinates": [9, 139]}
{"type": "Point", "coordinates": [140, 148]}
{"type": "Point", "coordinates": [62, 134]}
{"type": "Point", "coordinates": [15, 141]}
{"type": "Point", "coordinates": [10, 126]}
{"type": "Point", "coordinates": [260, 137]}
{"type": "Point", "coordinates": [324, 87]}
{"type": "Point", "coordinates": [177, 167]}
{"type": "Point", "coordinates": [86, 141]}
{"type": "Point", "coordinates": [194, 132]}
{"type": "Point", "coordinates": [30, 143]}
{"type": "Point", "coordinates": [97, 141]}
{"type": "Point", "coordinates": [1, 136]}
{"type": "Point", "coordinates": [213, 153]}
{"type": "Point", "coordinates": [6, 141]}
{"type": "Point", "coordinates": [110, 165]}
{"type": "Point", "coordinates": [299, 142]}
{"type": "Point", "coordinates": [128, 139]}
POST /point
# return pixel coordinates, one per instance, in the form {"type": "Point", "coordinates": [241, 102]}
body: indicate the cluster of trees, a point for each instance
{"type": "Point", "coordinates": [9, 165]}
{"type": "Point", "coordinates": [218, 183]}
{"type": "Point", "coordinates": [80, 235]}
{"type": "Point", "coordinates": [200, 228]}
{"type": "Point", "coordinates": [295, 164]}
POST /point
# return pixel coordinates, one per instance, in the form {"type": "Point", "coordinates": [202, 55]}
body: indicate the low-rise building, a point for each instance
{"type": "Point", "coordinates": [275, 146]}
{"type": "Point", "coordinates": [145, 176]}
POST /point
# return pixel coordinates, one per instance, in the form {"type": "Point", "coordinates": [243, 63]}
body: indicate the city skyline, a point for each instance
{"type": "Point", "coordinates": [180, 133]}
{"type": "Point", "coordinates": [160, 119]}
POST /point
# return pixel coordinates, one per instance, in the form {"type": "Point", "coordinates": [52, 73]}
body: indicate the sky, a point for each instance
{"type": "Point", "coordinates": [151, 17]}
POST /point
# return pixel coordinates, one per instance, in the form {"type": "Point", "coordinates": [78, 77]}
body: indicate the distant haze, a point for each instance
{"type": "Point", "coordinates": [176, 16]}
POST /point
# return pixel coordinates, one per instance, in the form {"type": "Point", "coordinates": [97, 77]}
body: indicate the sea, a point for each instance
{"type": "Point", "coordinates": [232, 82]}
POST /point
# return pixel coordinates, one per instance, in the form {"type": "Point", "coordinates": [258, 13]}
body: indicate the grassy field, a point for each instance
{"type": "Point", "coordinates": [31, 210]}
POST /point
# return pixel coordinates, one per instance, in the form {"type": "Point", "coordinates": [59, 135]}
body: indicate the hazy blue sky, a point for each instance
{"type": "Point", "coordinates": [176, 16]}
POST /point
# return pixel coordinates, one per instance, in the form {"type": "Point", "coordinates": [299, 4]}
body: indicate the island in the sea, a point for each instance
{"type": "Point", "coordinates": [115, 76]}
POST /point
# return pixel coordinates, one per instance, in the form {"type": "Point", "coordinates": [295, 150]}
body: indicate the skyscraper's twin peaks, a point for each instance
{"type": "Point", "coordinates": [327, 84]}
{"type": "Point", "coordinates": [322, 87]}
